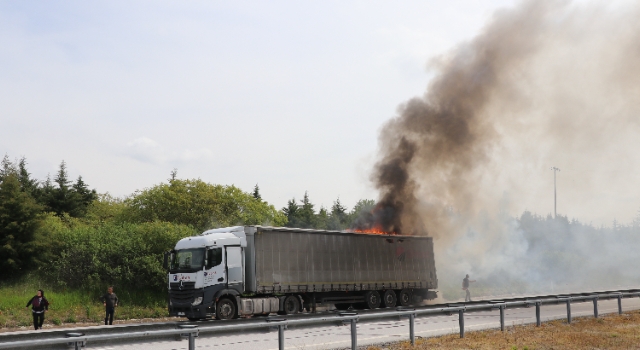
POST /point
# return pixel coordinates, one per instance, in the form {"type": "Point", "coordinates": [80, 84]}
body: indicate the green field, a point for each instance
{"type": "Point", "coordinates": [73, 306]}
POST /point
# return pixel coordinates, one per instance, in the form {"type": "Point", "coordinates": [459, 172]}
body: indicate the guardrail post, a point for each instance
{"type": "Point", "coordinates": [412, 335]}
{"type": "Point", "coordinates": [461, 322]}
{"type": "Point", "coordinates": [502, 318]}
{"type": "Point", "coordinates": [193, 330]}
{"type": "Point", "coordinates": [354, 335]}
{"type": "Point", "coordinates": [192, 340]}
{"type": "Point", "coordinates": [538, 313]}
{"type": "Point", "coordinates": [595, 307]}
{"type": "Point", "coordinates": [77, 344]}
{"type": "Point", "coordinates": [569, 310]}
{"type": "Point", "coordinates": [620, 304]}
{"type": "Point", "coordinates": [281, 336]}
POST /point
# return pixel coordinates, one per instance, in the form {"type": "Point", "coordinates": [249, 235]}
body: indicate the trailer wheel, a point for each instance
{"type": "Point", "coordinates": [291, 305]}
{"type": "Point", "coordinates": [225, 309]}
{"type": "Point", "coordinates": [405, 297]}
{"type": "Point", "coordinates": [372, 299]}
{"type": "Point", "coordinates": [389, 298]}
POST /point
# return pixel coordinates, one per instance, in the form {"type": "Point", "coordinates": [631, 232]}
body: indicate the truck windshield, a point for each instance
{"type": "Point", "coordinates": [188, 259]}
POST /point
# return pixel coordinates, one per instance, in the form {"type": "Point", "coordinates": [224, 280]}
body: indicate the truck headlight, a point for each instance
{"type": "Point", "coordinates": [198, 301]}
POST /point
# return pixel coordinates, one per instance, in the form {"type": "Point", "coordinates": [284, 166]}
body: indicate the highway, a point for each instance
{"type": "Point", "coordinates": [338, 337]}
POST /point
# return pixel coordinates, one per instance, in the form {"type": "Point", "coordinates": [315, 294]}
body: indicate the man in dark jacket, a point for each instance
{"type": "Point", "coordinates": [39, 305]}
{"type": "Point", "coordinates": [110, 301]}
{"type": "Point", "coordinates": [465, 286]}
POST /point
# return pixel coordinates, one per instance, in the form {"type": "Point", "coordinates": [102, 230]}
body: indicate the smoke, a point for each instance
{"type": "Point", "coordinates": [547, 83]}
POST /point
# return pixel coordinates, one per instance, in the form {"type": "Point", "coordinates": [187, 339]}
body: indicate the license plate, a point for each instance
{"type": "Point", "coordinates": [180, 313]}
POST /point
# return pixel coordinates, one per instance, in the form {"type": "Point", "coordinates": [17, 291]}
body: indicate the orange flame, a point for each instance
{"type": "Point", "coordinates": [374, 230]}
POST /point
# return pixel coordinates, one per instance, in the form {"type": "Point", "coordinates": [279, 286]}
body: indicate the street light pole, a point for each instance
{"type": "Point", "coordinates": [555, 213]}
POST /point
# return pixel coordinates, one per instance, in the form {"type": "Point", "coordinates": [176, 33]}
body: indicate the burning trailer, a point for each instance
{"type": "Point", "coordinates": [251, 270]}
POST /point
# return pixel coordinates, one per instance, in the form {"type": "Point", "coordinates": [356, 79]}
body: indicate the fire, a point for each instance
{"type": "Point", "coordinates": [374, 230]}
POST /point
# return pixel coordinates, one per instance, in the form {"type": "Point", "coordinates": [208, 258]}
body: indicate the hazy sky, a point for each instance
{"type": "Point", "coordinates": [289, 95]}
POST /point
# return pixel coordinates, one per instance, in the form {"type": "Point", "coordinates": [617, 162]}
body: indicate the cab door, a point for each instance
{"type": "Point", "coordinates": [215, 272]}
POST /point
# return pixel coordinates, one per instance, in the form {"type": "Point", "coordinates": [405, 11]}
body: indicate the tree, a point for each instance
{"type": "Point", "coordinates": [27, 184]}
{"type": "Point", "coordinates": [83, 196]}
{"type": "Point", "coordinates": [306, 213]}
{"type": "Point", "coordinates": [201, 205]}
{"type": "Point", "coordinates": [323, 220]}
{"type": "Point", "coordinates": [60, 199]}
{"type": "Point", "coordinates": [361, 214]}
{"type": "Point", "coordinates": [65, 197]}
{"type": "Point", "coordinates": [339, 218]}
{"type": "Point", "coordinates": [6, 167]}
{"type": "Point", "coordinates": [291, 212]}
{"type": "Point", "coordinates": [256, 193]}
{"type": "Point", "coordinates": [19, 220]}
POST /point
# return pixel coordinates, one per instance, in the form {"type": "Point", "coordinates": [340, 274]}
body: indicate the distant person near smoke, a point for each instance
{"type": "Point", "coordinates": [465, 287]}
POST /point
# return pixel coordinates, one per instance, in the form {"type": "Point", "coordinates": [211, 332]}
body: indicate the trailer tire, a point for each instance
{"type": "Point", "coordinates": [225, 309]}
{"type": "Point", "coordinates": [389, 298]}
{"type": "Point", "coordinates": [404, 298]}
{"type": "Point", "coordinates": [372, 299]}
{"type": "Point", "coordinates": [290, 305]}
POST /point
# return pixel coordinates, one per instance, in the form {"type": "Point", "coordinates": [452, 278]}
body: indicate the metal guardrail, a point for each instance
{"type": "Point", "coordinates": [192, 331]}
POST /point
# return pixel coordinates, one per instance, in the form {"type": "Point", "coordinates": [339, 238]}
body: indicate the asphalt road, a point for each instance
{"type": "Point", "coordinates": [338, 337]}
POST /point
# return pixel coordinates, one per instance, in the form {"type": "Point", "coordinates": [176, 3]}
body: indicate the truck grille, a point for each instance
{"type": "Point", "coordinates": [185, 285]}
{"type": "Point", "coordinates": [184, 295]}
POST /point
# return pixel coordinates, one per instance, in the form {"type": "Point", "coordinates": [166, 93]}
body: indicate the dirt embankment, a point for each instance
{"type": "Point", "coordinates": [607, 332]}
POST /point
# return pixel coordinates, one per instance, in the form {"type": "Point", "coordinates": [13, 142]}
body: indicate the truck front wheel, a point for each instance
{"type": "Point", "coordinates": [225, 309]}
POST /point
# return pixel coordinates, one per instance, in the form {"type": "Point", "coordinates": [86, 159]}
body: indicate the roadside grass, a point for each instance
{"type": "Point", "coordinates": [607, 332]}
{"type": "Point", "coordinates": [73, 306]}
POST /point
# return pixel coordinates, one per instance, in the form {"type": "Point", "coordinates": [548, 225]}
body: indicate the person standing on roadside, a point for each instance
{"type": "Point", "coordinates": [39, 305]}
{"type": "Point", "coordinates": [465, 286]}
{"type": "Point", "coordinates": [110, 301]}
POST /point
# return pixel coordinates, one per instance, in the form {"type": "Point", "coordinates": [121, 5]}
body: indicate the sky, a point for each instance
{"type": "Point", "coordinates": [288, 95]}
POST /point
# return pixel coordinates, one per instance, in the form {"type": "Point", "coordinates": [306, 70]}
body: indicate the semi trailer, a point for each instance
{"type": "Point", "coordinates": [256, 270]}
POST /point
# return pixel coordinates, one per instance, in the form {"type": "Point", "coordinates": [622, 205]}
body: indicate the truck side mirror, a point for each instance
{"type": "Point", "coordinates": [165, 264]}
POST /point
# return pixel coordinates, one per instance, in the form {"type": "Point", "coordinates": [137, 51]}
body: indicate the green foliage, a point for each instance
{"type": "Point", "coordinates": [119, 254]}
{"type": "Point", "coordinates": [201, 205]}
{"type": "Point", "coordinates": [19, 220]}
{"type": "Point", "coordinates": [303, 215]}
{"type": "Point", "coordinates": [256, 193]}
{"type": "Point", "coordinates": [67, 198]}
{"type": "Point", "coordinates": [104, 209]}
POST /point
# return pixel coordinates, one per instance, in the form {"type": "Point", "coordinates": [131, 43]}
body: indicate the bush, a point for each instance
{"type": "Point", "coordinates": [119, 254]}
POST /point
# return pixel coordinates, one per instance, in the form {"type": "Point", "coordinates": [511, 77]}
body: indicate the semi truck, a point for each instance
{"type": "Point", "coordinates": [257, 270]}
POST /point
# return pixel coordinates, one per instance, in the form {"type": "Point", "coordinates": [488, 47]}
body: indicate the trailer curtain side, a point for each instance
{"type": "Point", "coordinates": [288, 260]}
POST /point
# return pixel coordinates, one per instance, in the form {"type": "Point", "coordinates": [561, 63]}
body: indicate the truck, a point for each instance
{"type": "Point", "coordinates": [242, 271]}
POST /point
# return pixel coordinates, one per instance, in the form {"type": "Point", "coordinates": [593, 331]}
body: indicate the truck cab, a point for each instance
{"type": "Point", "coordinates": [202, 269]}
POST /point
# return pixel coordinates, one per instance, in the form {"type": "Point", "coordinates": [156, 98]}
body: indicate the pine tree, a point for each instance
{"type": "Point", "coordinates": [83, 196]}
{"type": "Point", "coordinates": [60, 199]}
{"type": "Point", "coordinates": [28, 185]}
{"type": "Point", "coordinates": [307, 214]}
{"type": "Point", "coordinates": [19, 219]}
{"type": "Point", "coordinates": [6, 167]}
{"type": "Point", "coordinates": [256, 193]}
{"type": "Point", "coordinates": [291, 211]}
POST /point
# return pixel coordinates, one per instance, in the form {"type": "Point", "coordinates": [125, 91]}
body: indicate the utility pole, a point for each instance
{"type": "Point", "coordinates": [555, 170]}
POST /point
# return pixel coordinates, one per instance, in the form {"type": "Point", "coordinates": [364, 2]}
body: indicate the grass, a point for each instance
{"type": "Point", "coordinates": [607, 332]}
{"type": "Point", "coordinates": [73, 306]}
